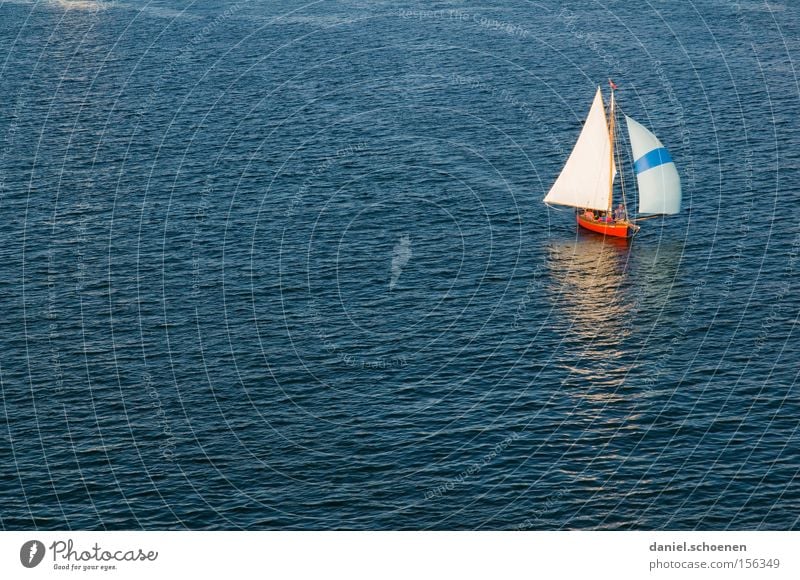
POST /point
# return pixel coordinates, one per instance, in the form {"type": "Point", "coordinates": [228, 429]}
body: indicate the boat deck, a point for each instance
{"type": "Point", "coordinates": [617, 229]}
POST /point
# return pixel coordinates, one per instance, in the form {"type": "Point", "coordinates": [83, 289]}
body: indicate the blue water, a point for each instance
{"type": "Point", "coordinates": [286, 266]}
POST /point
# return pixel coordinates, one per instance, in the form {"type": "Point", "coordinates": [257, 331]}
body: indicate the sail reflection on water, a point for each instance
{"type": "Point", "coordinates": [591, 295]}
{"type": "Point", "coordinates": [605, 302]}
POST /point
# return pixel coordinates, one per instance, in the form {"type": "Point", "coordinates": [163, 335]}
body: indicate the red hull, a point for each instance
{"type": "Point", "coordinates": [614, 229]}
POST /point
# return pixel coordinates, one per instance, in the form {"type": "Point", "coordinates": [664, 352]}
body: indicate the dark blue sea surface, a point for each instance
{"type": "Point", "coordinates": [276, 265]}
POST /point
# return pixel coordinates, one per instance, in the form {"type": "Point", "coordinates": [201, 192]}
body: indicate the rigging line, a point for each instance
{"type": "Point", "coordinates": [649, 217]}
{"type": "Point", "coordinates": [612, 138]}
{"type": "Point", "coordinates": [621, 170]}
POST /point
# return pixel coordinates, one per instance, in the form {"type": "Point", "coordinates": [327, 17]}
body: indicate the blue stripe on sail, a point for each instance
{"type": "Point", "coordinates": [652, 159]}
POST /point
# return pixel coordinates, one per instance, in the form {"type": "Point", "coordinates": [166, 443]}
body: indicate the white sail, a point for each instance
{"type": "Point", "coordinates": [656, 174]}
{"type": "Point", "coordinates": [587, 177]}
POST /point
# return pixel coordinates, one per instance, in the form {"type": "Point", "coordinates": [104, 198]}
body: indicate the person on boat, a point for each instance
{"type": "Point", "coordinates": [619, 213]}
{"type": "Point", "coordinates": [588, 214]}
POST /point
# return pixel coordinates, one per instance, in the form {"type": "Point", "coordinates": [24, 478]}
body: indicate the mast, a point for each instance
{"type": "Point", "coordinates": [611, 150]}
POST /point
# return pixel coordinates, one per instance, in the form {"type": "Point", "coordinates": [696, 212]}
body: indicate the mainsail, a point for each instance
{"type": "Point", "coordinates": [587, 177]}
{"type": "Point", "coordinates": [656, 174]}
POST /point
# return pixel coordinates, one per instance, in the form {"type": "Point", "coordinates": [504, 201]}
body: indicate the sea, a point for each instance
{"type": "Point", "coordinates": [273, 265]}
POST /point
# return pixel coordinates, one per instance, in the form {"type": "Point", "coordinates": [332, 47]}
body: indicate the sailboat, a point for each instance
{"type": "Point", "coordinates": [587, 180]}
